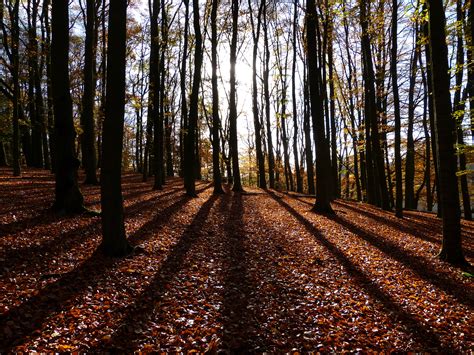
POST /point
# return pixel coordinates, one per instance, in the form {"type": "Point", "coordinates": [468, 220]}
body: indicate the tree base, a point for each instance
{"type": "Point", "coordinates": [455, 258]}
{"type": "Point", "coordinates": [118, 250]}
{"type": "Point", "coordinates": [326, 209]}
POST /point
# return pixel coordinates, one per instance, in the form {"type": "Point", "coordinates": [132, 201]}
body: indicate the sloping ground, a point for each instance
{"type": "Point", "coordinates": [250, 272]}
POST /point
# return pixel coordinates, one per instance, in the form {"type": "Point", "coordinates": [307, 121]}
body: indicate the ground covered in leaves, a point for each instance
{"type": "Point", "coordinates": [253, 272]}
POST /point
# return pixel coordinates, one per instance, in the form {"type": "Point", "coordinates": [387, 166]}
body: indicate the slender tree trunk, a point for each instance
{"type": "Point", "coordinates": [216, 122]}
{"type": "Point", "coordinates": [451, 250]}
{"type": "Point", "coordinates": [233, 140]}
{"type": "Point", "coordinates": [89, 157]}
{"type": "Point", "coordinates": [266, 90]}
{"type": "Point", "coordinates": [299, 178]}
{"type": "Point", "coordinates": [307, 136]}
{"type": "Point", "coordinates": [427, 174]}
{"type": "Point", "coordinates": [396, 106]}
{"type": "Point", "coordinates": [262, 183]}
{"type": "Point", "coordinates": [191, 134]}
{"type": "Point", "coordinates": [15, 31]}
{"type": "Point", "coordinates": [114, 242]}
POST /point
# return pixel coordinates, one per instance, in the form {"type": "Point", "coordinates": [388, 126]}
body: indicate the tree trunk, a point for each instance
{"type": "Point", "coordinates": [451, 250]}
{"type": "Point", "coordinates": [233, 140]}
{"type": "Point", "coordinates": [89, 157]}
{"type": "Point", "coordinates": [322, 204]}
{"type": "Point", "coordinates": [299, 179]}
{"type": "Point", "coordinates": [68, 197]}
{"type": "Point", "coordinates": [191, 134]}
{"type": "Point", "coordinates": [216, 122]}
{"type": "Point", "coordinates": [114, 242]}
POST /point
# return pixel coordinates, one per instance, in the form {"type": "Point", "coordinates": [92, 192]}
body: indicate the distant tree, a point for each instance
{"type": "Point", "coordinates": [68, 197]}
{"type": "Point", "coordinates": [451, 250]}
{"type": "Point", "coordinates": [89, 156]}
{"type": "Point", "coordinates": [114, 241]}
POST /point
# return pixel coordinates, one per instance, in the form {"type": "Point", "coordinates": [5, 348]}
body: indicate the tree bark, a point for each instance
{"type": "Point", "coordinates": [114, 241]}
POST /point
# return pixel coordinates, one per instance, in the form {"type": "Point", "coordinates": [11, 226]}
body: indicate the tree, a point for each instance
{"type": "Point", "coordinates": [233, 141]}
{"type": "Point", "coordinates": [216, 123]}
{"type": "Point", "coordinates": [262, 183]}
{"type": "Point", "coordinates": [114, 241]}
{"type": "Point", "coordinates": [322, 204]}
{"type": "Point", "coordinates": [89, 157]}
{"type": "Point", "coordinates": [396, 107]}
{"type": "Point", "coordinates": [451, 250]}
{"type": "Point", "coordinates": [68, 197]}
{"type": "Point", "coordinates": [191, 134]}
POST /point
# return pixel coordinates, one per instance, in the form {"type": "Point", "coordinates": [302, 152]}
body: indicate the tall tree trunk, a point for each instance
{"type": "Point", "coordinates": [427, 174]}
{"type": "Point", "coordinates": [89, 157]}
{"type": "Point", "coordinates": [216, 122]}
{"type": "Point", "coordinates": [184, 96]}
{"type": "Point", "coordinates": [262, 183]}
{"type": "Point", "coordinates": [381, 193]}
{"type": "Point", "coordinates": [459, 106]}
{"type": "Point", "coordinates": [396, 106]}
{"type": "Point", "coordinates": [233, 140]}
{"type": "Point", "coordinates": [322, 204]}
{"type": "Point", "coordinates": [299, 178]}
{"type": "Point", "coordinates": [451, 250]}
{"type": "Point", "coordinates": [49, 91]}
{"type": "Point", "coordinates": [15, 31]}
{"type": "Point", "coordinates": [266, 90]}
{"type": "Point", "coordinates": [114, 242]}
{"type": "Point", "coordinates": [68, 197]}
{"type": "Point", "coordinates": [191, 134]}
{"type": "Point", "coordinates": [410, 156]}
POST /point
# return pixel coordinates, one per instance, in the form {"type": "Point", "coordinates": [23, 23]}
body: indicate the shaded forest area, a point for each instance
{"type": "Point", "coordinates": [252, 272]}
{"type": "Point", "coordinates": [236, 175]}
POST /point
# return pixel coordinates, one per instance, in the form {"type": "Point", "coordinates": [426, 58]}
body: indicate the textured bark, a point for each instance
{"type": "Point", "coordinates": [299, 178]}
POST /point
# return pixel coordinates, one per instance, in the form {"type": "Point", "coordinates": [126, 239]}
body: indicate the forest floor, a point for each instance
{"type": "Point", "coordinates": [252, 272]}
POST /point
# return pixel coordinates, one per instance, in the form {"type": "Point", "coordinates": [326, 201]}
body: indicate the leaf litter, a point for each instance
{"type": "Point", "coordinates": [250, 272]}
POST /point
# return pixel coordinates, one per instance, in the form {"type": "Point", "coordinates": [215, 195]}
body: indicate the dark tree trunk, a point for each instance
{"type": "Point", "coordinates": [68, 197]}
{"type": "Point", "coordinates": [49, 92]}
{"type": "Point", "coordinates": [396, 106]}
{"type": "Point", "coordinates": [375, 160]}
{"type": "Point", "coordinates": [262, 183]}
{"type": "Point", "coordinates": [89, 157]}
{"type": "Point", "coordinates": [459, 106]}
{"type": "Point", "coordinates": [114, 242]}
{"type": "Point", "coordinates": [266, 90]}
{"type": "Point", "coordinates": [451, 250]}
{"type": "Point", "coordinates": [233, 140]}
{"type": "Point", "coordinates": [3, 155]}
{"type": "Point", "coordinates": [191, 134]}
{"type": "Point", "coordinates": [34, 105]}
{"type": "Point", "coordinates": [216, 122]}
{"type": "Point", "coordinates": [322, 204]}
{"type": "Point", "coordinates": [299, 178]}
{"type": "Point", "coordinates": [184, 96]}
{"type": "Point", "coordinates": [15, 31]}
{"type": "Point", "coordinates": [427, 174]}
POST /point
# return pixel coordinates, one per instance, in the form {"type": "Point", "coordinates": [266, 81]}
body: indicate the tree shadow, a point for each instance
{"type": "Point", "coordinates": [57, 296]}
{"type": "Point", "coordinates": [239, 326]}
{"type": "Point", "coordinates": [424, 335]}
{"type": "Point", "coordinates": [137, 314]}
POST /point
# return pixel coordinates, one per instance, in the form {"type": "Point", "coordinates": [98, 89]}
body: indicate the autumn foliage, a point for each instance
{"type": "Point", "coordinates": [255, 271]}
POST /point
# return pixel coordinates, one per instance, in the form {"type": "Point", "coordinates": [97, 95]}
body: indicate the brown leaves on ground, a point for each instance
{"type": "Point", "coordinates": [252, 272]}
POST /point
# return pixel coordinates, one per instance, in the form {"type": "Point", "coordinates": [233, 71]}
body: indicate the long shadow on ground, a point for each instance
{"type": "Point", "coordinates": [427, 339]}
